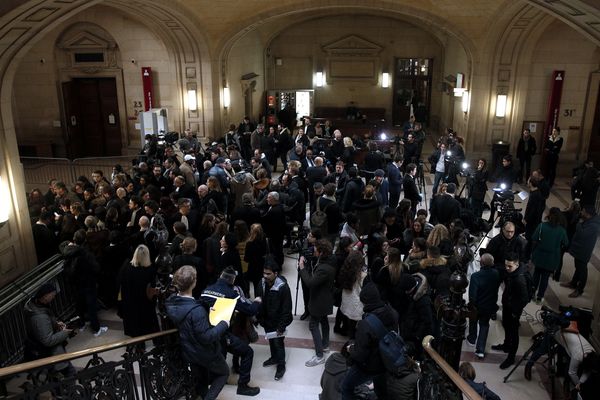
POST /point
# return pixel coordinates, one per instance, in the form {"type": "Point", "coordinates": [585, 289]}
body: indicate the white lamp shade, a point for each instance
{"type": "Point", "coordinates": [192, 100]}
{"type": "Point", "coordinates": [385, 80]}
{"type": "Point", "coordinates": [226, 97]}
{"type": "Point", "coordinates": [501, 101]}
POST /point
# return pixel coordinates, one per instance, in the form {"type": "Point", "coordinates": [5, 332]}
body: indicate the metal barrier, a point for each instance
{"type": "Point", "coordinates": [38, 171]}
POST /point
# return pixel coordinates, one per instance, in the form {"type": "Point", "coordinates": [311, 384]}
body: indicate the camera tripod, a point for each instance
{"type": "Point", "coordinates": [551, 361]}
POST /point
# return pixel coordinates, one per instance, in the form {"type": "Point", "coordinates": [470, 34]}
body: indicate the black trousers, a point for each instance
{"type": "Point", "coordinates": [211, 379]}
{"type": "Point", "coordinates": [525, 168]}
{"type": "Point", "coordinates": [510, 323]}
{"type": "Point", "coordinates": [238, 347]}
{"type": "Point", "coordinates": [277, 348]}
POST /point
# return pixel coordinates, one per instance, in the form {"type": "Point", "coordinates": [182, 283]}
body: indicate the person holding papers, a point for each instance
{"type": "Point", "coordinates": [275, 313]}
{"type": "Point", "coordinates": [224, 288]}
{"type": "Point", "coordinates": [200, 343]}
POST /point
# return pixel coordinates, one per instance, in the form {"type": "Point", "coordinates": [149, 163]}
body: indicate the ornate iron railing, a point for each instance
{"type": "Point", "coordinates": [140, 374]}
{"type": "Point", "coordinates": [12, 302]}
{"type": "Point", "coordinates": [439, 380]}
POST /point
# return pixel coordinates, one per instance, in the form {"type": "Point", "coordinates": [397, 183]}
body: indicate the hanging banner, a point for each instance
{"type": "Point", "coordinates": [558, 77]}
{"type": "Point", "coordinates": [148, 91]}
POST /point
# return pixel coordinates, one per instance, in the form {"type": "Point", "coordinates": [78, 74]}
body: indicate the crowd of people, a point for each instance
{"type": "Point", "coordinates": [219, 219]}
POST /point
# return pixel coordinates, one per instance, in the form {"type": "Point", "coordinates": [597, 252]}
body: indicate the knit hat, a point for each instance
{"type": "Point", "coordinates": [379, 172]}
{"type": "Point", "coordinates": [220, 160]}
{"type": "Point", "coordinates": [44, 290]}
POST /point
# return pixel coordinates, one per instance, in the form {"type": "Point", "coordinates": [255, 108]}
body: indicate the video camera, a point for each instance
{"type": "Point", "coordinates": [553, 321]}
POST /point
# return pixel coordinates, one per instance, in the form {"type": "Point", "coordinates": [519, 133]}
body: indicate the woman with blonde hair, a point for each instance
{"type": "Point", "coordinates": [440, 237]}
{"type": "Point", "coordinates": [348, 154]}
{"type": "Point", "coordinates": [136, 280]}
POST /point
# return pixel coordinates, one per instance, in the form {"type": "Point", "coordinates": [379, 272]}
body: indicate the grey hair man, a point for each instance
{"type": "Point", "coordinates": [483, 291]}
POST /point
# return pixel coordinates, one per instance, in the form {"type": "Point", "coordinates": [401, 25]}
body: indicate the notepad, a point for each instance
{"type": "Point", "coordinates": [273, 335]}
{"type": "Point", "coordinates": [222, 310]}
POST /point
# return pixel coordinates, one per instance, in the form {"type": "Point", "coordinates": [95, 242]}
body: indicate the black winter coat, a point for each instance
{"type": "Point", "coordinates": [515, 296]}
{"type": "Point", "coordinates": [275, 312]}
{"type": "Point", "coordinates": [365, 352]}
{"type": "Point", "coordinates": [320, 284]}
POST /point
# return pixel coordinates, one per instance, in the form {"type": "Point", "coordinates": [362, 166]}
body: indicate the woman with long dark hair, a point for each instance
{"type": "Point", "coordinates": [256, 248]}
{"type": "Point", "coordinates": [351, 278]}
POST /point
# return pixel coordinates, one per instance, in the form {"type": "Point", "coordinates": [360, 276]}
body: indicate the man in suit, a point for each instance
{"type": "Point", "coordinates": [320, 305]}
{"type": "Point", "coordinates": [183, 190]}
{"type": "Point", "coordinates": [187, 215]}
{"type": "Point", "coordinates": [313, 175]}
{"type": "Point", "coordinates": [444, 207]}
{"type": "Point", "coordinates": [395, 181]}
{"type": "Point", "coordinates": [44, 239]}
{"type": "Point", "coordinates": [273, 222]}
{"type": "Point", "coordinates": [411, 191]}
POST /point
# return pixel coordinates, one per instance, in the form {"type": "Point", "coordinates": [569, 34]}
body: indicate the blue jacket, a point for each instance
{"type": "Point", "coordinates": [395, 179]}
{"type": "Point", "coordinates": [199, 341]}
{"type": "Point", "coordinates": [584, 240]}
{"type": "Point", "coordinates": [483, 290]}
{"type": "Point", "coordinates": [482, 390]}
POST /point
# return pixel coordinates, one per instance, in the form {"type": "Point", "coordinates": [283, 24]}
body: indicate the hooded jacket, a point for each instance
{"type": "Point", "coordinates": [418, 320]}
{"type": "Point", "coordinates": [365, 352]}
{"type": "Point", "coordinates": [200, 343]}
{"type": "Point", "coordinates": [42, 330]}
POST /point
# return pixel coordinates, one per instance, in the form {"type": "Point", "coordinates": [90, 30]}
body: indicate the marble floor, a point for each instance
{"type": "Point", "coordinates": [301, 382]}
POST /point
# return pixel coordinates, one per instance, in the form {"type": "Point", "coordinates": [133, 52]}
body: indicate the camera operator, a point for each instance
{"type": "Point", "coordinates": [438, 166]}
{"type": "Point", "coordinates": [566, 334]}
{"type": "Point", "coordinates": [46, 336]}
{"type": "Point", "coordinates": [477, 184]}
{"type": "Point", "coordinates": [506, 175]}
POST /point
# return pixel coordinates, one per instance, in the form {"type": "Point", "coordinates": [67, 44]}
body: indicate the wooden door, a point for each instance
{"type": "Point", "coordinates": [95, 131]}
{"type": "Point", "coordinates": [73, 132]}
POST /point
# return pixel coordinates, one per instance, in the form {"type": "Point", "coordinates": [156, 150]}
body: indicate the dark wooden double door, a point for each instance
{"type": "Point", "coordinates": [92, 117]}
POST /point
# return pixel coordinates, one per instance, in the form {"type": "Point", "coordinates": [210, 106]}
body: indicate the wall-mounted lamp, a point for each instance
{"type": "Point", "coordinates": [320, 79]}
{"type": "Point", "coordinates": [501, 100]}
{"type": "Point", "coordinates": [385, 80]}
{"type": "Point", "coordinates": [465, 101]}
{"type": "Point", "coordinates": [192, 100]}
{"type": "Point", "coordinates": [4, 203]}
{"type": "Point", "coordinates": [226, 97]}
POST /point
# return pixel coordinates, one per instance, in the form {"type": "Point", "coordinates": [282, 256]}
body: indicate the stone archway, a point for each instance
{"type": "Point", "coordinates": [20, 29]}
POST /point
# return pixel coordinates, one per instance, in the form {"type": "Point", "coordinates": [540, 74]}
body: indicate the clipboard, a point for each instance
{"type": "Point", "coordinates": [222, 310]}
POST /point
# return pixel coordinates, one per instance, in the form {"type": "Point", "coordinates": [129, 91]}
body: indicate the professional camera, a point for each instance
{"type": "Point", "coordinates": [553, 321]}
{"type": "Point", "coordinates": [299, 241]}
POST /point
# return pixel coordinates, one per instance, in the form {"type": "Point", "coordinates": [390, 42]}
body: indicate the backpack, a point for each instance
{"type": "Point", "coordinates": [391, 345]}
{"type": "Point", "coordinates": [318, 219]}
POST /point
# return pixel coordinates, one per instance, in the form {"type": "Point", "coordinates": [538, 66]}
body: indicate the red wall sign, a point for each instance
{"type": "Point", "coordinates": [148, 91]}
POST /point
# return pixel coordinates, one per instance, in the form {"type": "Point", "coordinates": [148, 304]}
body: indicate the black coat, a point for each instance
{"type": "Point", "coordinates": [411, 191]}
{"type": "Point", "coordinates": [499, 246]}
{"type": "Point", "coordinates": [395, 179]}
{"type": "Point", "coordinates": [374, 160]}
{"type": "Point", "coordinates": [515, 296]}
{"type": "Point", "coordinates": [249, 214]}
{"type": "Point", "coordinates": [352, 193]}
{"type": "Point", "coordinates": [334, 214]}
{"type": "Point", "coordinates": [255, 257]}
{"type": "Point", "coordinates": [276, 308]}
{"type": "Point", "coordinates": [139, 314]}
{"type": "Point", "coordinates": [483, 290]}
{"type": "Point", "coordinates": [365, 352]}
{"type": "Point", "coordinates": [273, 222]}
{"type": "Point", "coordinates": [320, 284]}
{"type": "Point", "coordinates": [531, 148]}
{"type": "Point", "coordinates": [535, 209]}
{"type": "Point", "coordinates": [315, 174]}
{"type": "Point", "coordinates": [45, 242]}
{"type": "Point", "coordinates": [444, 209]}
